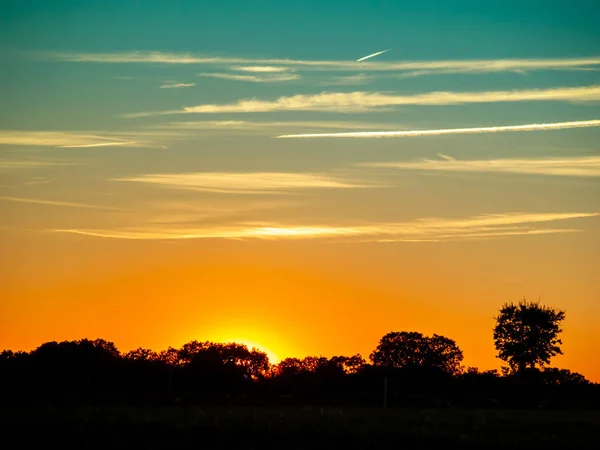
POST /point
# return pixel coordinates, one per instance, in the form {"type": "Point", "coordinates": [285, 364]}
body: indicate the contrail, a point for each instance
{"type": "Point", "coordinates": [371, 56]}
{"type": "Point", "coordinates": [411, 133]}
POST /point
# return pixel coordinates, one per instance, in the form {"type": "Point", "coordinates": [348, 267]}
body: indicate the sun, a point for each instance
{"type": "Point", "coordinates": [259, 337]}
{"type": "Point", "coordinates": [273, 358]}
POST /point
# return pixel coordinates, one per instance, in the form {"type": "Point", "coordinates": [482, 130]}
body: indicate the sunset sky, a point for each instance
{"type": "Point", "coordinates": [157, 183]}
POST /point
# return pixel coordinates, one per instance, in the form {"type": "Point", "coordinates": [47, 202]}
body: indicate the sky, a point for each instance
{"type": "Point", "coordinates": [228, 171]}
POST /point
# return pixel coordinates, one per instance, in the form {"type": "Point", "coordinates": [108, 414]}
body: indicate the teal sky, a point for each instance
{"type": "Point", "coordinates": [320, 30]}
{"type": "Point", "coordinates": [135, 134]}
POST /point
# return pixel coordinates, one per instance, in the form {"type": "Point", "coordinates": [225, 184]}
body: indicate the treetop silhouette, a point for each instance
{"type": "Point", "coordinates": [401, 350]}
{"type": "Point", "coordinates": [409, 364]}
{"type": "Point", "coordinates": [526, 334]}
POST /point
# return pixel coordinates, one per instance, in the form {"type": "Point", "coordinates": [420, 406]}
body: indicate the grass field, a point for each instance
{"type": "Point", "coordinates": [298, 428]}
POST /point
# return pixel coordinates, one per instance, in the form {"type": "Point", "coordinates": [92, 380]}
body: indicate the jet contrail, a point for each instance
{"type": "Point", "coordinates": [411, 133]}
{"type": "Point", "coordinates": [371, 56]}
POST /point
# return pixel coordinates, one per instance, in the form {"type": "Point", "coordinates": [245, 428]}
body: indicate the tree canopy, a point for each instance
{"type": "Point", "coordinates": [401, 350]}
{"type": "Point", "coordinates": [526, 334]}
{"type": "Point", "coordinates": [415, 370]}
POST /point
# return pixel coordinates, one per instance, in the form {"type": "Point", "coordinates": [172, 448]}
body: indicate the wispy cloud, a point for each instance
{"type": "Point", "coordinates": [244, 183]}
{"type": "Point", "coordinates": [234, 232]}
{"type": "Point", "coordinates": [260, 69]}
{"type": "Point", "coordinates": [421, 230]}
{"type": "Point", "coordinates": [55, 203]}
{"type": "Point", "coordinates": [436, 132]}
{"type": "Point", "coordinates": [366, 101]}
{"type": "Point", "coordinates": [176, 85]}
{"type": "Point", "coordinates": [103, 144]}
{"type": "Point", "coordinates": [475, 66]}
{"type": "Point", "coordinates": [31, 164]}
{"type": "Point", "coordinates": [65, 140]}
{"type": "Point", "coordinates": [479, 235]}
{"type": "Point", "coordinates": [37, 181]}
{"type": "Point", "coordinates": [476, 69]}
{"type": "Point", "coordinates": [372, 55]}
{"type": "Point", "coordinates": [588, 166]}
{"type": "Point", "coordinates": [229, 125]}
{"type": "Point", "coordinates": [483, 226]}
{"type": "Point", "coordinates": [270, 78]}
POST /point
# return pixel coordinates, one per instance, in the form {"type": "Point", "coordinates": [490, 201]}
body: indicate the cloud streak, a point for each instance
{"type": "Point", "coordinates": [588, 166]}
{"type": "Point", "coordinates": [176, 85]}
{"type": "Point", "coordinates": [65, 140]}
{"type": "Point", "coordinates": [32, 164]}
{"type": "Point", "coordinates": [367, 101]}
{"type": "Point", "coordinates": [420, 230]}
{"type": "Point", "coordinates": [229, 125]}
{"type": "Point", "coordinates": [243, 183]}
{"type": "Point", "coordinates": [55, 203]}
{"type": "Point", "coordinates": [270, 78]}
{"type": "Point", "coordinates": [260, 69]}
{"type": "Point", "coordinates": [475, 66]}
{"type": "Point", "coordinates": [437, 132]}
{"type": "Point", "coordinates": [372, 55]}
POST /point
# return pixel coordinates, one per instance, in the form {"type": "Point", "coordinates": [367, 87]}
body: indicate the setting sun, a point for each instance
{"type": "Point", "coordinates": [273, 357]}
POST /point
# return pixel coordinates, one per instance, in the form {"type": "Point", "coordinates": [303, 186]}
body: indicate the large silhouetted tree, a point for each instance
{"type": "Point", "coordinates": [526, 334]}
{"type": "Point", "coordinates": [227, 358]}
{"type": "Point", "coordinates": [404, 350]}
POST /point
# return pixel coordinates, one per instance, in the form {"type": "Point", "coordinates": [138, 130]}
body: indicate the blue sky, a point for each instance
{"type": "Point", "coordinates": [313, 29]}
{"type": "Point", "coordinates": [296, 30]}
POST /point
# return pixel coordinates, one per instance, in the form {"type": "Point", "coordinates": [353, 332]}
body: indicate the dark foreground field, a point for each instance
{"type": "Point", "coordinates": [296, 428]}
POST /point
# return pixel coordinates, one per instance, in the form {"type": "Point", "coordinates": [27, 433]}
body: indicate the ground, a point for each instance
{"type": "Point", "coordinates": [296, 428]}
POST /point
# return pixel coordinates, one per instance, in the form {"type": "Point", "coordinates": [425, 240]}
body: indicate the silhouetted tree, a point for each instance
{"type": "Point", "coordinates": [170, 357]}
{"type": "Point", "coordinates": [418, 370]}
{"type": "Point", "coordinates": [290, 367]}
{"type": "Point", "coordinates": [349, 364]}
{"type": "Point", "coordinates": [257, 364]}
{"type": "Point", "coordinates": [320, 365]}
{"type": "Point", "coordinates": [526, 334]}
{"type": "Point", "coordinates": [404, 350]}
{"type": "Point", "coordinates": [563, 377]}
{"type": "Point", "coordinates": [141, 354]}
{"type": "Point", "coordinates": [221, 365]}
{"type": "Point", "coordinates": [145, 372]}
{"type": "Point", "coordinates": [317, 379]}
{"type": "Point", "coordinates": [71, 368]}
{"type": "Point", "coordinates": [474, 371]}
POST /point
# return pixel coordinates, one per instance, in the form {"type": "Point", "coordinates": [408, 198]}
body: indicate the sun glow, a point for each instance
{"type": "Point", "coordinates": [273, 358]}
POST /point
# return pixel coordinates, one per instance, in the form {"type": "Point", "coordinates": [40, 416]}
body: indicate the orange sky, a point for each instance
{"type": "Point", "coordinates": [294, 299]}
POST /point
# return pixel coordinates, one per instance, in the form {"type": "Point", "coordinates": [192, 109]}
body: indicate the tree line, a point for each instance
{"type": "Point", "coordinates": [405, 369]}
